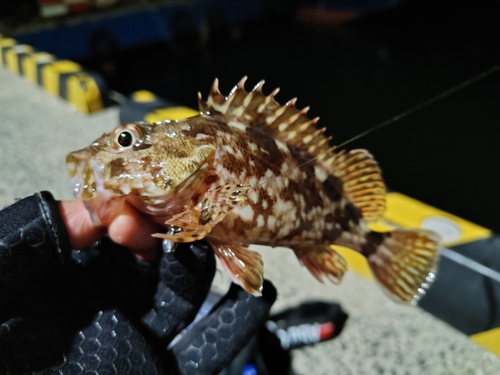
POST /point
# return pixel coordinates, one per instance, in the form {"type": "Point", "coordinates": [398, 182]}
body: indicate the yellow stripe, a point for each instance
{"type": "Point", "coordinates": [172, 113]}
{"type": "Point", "coordinates": [355, 261]}
{"type": "Point", "coordinates": [84, 93]}
{"type": "Point", "coordinates": [143, 96]}
{"type": "Point", "coordinates": [410, 213]}
{"type": "Point", "coordinates": [52, 72]}
{"type": "Point", "coordinates": [30, 64]}
{"type": "Point", "coordinates": [406, 212]}
{"type": "Point", "coordinates": [488, 339]}
{"type": "Point", "coordinates": [5, 42]}
{"type": "Point", "coordinates": [12, 56]}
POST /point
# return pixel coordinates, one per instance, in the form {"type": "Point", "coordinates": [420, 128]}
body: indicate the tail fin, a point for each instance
{"type": "Point", "coordinates": [404, 262]}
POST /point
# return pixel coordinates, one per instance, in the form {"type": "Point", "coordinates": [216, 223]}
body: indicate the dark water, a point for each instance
{"type": "Point", "coordinates": [357, 76]}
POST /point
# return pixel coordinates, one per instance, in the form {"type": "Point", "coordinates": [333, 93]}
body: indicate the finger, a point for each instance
{"type": "Point", "coordinates": [132, 229]}
{"type": "Point", "coordinates": [212, 343]}
{"type": "Point", "coordinates": [185, 279]}
{"type": "Point", "coordinates": [82, 233]}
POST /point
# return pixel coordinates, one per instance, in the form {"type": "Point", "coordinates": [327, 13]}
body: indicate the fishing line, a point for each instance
{"type": "Point", "coordinates": [414, 109]}
{"type": "Point", "coordinates": [426, 103]}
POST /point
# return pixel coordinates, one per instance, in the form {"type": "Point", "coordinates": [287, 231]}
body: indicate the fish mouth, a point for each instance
{"type": "Point", "coordinates": [88, 184]}
{"type": "Point", "coordinates": [86, 176]}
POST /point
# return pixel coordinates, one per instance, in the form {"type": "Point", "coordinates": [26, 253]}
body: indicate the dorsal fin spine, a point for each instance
{"type": "Point", "coordinates": [268, 100]}
{"type": "Point", "coordinates": [318, 144]}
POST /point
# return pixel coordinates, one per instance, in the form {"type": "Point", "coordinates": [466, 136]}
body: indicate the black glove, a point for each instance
{"type": "Point", "coordinates": [102, 312]}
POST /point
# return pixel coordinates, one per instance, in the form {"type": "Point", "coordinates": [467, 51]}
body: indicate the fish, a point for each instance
{"type": "Point", "coordinates": [248, 170]}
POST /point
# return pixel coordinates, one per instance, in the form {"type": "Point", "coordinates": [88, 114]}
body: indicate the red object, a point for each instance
{"type": "Point", "coordinates": [326, 331]}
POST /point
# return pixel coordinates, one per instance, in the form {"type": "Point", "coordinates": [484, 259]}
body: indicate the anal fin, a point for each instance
{"type": "Point", "coordinates": [322, 261]}
{"type": "Point", "coordinates": [245, 267]}
{"type": "Point", "coordinates": [404, 262]}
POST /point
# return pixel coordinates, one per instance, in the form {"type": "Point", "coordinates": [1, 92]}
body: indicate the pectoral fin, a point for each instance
{"type": "Point", "coordinates": [245, 267]}
{"type": "Point", "coordinates": [195, 223]}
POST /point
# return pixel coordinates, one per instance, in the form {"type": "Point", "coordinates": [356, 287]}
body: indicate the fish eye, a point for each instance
{"type": "Point", "coordinates": [125, 139]}
{"type": "Point", "coordinates": [126, 136]}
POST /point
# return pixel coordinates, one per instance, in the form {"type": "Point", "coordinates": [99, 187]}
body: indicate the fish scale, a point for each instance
{"type": "Point", "coordinates": [248, 170]}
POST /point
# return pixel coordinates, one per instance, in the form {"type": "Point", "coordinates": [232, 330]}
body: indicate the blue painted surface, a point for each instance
{"type": "Point", "coordinates": [128, 29]}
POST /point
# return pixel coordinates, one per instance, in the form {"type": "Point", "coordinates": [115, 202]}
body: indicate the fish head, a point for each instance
{"type": "Point", "coordinates": [155, 167]}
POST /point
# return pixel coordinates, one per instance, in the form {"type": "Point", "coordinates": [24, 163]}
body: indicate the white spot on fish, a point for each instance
{"type": "Point", "coordinates": [243, 175]}
{"type": "Point", "coordinates": [260, 221]}
{"type": "Point", "coordinates": [202, 136]}
{"type": "Point", "coordinates": [281, 207]}
{"type": "Point", "coordinates": [346, 235]}
{"type": "Point", "coordinates": [228, 148]}
{"type": "Point", "coordinates": [237, 125]}
{"type": "Point", "coordinates": [271, 222]}
{"type": "Point", "coordinates": [264, 204]}
{"type": "Point", "coordinates": [253, 181]}
{"type": "Point", "coordinates": [320, 173]}
{"type": "Point", "coordinates": [284, 168]}
{"type": "Point", "coordinates": [255, 197]}
{"type": "Point", "coordinates": [269, 174]}
{"type": "Point", "coordinates": [246, 212]}
{"type": "Point", "coordinates": [253, 147]}
{"type": "Point", "coordinates": [282, 146]}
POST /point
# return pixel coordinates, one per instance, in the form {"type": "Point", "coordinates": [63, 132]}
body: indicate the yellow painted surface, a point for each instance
{"type": "Point", "coordinates": [5, 42]}
{"type": "Point", "coordinates": [12, 56]}
{"type": "Point", "coordinates": [488, 339]}
{"type": "Point", "coordinates": [172, 113]}
{"type": "Point", "coordinates": [355, 261]}
{"type": "Point", "coordinates": [84, 93]}
{"type": "Point", "coordinates": [143, 96]}
{"type": "Point", "coordinates": [52, 73]}
{"type": "Point", "coordinates": [31, 62]}
{"type": "Point", "coordinates": [410, 213]}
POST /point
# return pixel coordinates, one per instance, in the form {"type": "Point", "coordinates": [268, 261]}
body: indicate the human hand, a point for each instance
{"type": "Point", "coordinates": [129, 228]}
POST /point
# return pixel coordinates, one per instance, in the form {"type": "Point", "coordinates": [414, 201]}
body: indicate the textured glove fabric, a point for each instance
{"type": "Point", "coordinates": [32, 239]}
{"type": "Point", "coordinates": [223, 334]}
{"type": "Point", "coordinates": [104, 312]}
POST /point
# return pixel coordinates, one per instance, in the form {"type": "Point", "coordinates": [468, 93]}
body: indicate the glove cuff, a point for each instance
{"type": "Point", "coordinates": [33, 239]}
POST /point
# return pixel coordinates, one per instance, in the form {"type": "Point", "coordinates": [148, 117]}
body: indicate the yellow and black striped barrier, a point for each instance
{"type": "Point", "coordinates": [466, 292]}
{"type": "Point", "coordinates": [63, 78]}
{"type": "Point", "coordinates": [143, 105]}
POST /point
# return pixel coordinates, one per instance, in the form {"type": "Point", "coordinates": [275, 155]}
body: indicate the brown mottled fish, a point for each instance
{"type": "Point", "coordinates": [248, 170]}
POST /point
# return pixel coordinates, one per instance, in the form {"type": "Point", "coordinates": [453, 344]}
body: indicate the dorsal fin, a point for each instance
{"type": "Point", "coordinates": [361, 179]}
{"type": "Point", "coordinates": [254, 109]}
{"type": "Point", "coordinates": [359, 173]}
